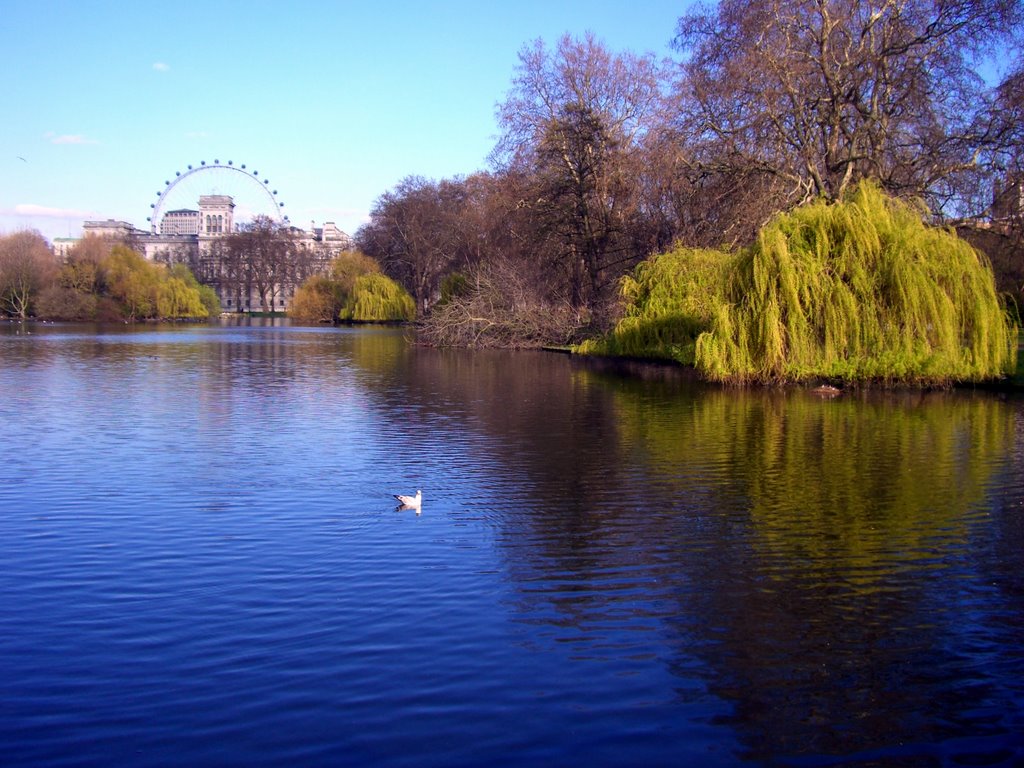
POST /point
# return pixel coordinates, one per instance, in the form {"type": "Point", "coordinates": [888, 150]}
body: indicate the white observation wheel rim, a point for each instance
{"type": "Point", "coordinates": [157, 215]}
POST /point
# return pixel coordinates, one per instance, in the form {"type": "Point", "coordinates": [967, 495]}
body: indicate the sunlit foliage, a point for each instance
{"type": "Point", "coordinates": [354, 290]}
{"type": "Point", "coordinates": [123, 285]}
{"type": "Point", "coordinates": [350, 265]}
{"type": "Point", "coordinates": [377, 298]}
{"type": "Point", "coordinates": [860, 290]}
{"type": "Point", "coordinates": [207, 296]}
{"type": "Point", "coordinates": [670, 299]}
{"type": "Point", "coordinates": [318, 300]}
{"type": "Point", "coordinates": [148, 290]}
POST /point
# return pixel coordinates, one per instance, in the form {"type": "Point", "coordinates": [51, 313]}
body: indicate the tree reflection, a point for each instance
{"type": "Point", "coordinates": [848, 485]}
{"type": "Point", "coordinates": [811, 560]}
{"type": "Point", "coordinates": [840, 582]}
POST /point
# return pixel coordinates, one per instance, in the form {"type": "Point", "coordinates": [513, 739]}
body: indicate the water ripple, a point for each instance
{"type": "Point", "coordinates": [203, 562]}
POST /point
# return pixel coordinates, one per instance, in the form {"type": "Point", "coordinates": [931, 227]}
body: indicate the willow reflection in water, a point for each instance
{"type": "Point", "coordinates": [843, 566]}
{"type": "Point", "coordinates": [839, 574]}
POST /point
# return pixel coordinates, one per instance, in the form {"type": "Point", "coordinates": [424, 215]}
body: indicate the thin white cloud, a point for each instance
{"type": "Point", "coordinates": [68, 138]}
{"type": "Point", "coordinates": [160, 66]}
{"type": "Point", "coordinates": [196, 134]}
{"type": "Point", "coordinates": [46, 212]}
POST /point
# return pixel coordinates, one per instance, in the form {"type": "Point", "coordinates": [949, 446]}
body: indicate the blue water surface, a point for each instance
{"type": "Point", "coordinates": [201, 562]}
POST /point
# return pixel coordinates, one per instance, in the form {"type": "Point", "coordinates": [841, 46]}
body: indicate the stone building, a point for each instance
{"type": "Point", "coordinates": [111, 228]}
{"type": "Point", "coordinates": [182, 221]}
{"type": "Point", "coordinates": [216, 215]}
{"type": "Point", "coordinates": [197, 238]}
{"type": "Point", "coordinates": [1008, 200]}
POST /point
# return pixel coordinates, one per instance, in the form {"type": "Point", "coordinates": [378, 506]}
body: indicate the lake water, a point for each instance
{"type": "Point", "coordinates": [201, 562]}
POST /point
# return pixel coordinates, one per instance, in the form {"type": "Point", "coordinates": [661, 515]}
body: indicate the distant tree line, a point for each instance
{"type": "Point", "coordinates": [107, 280]}
{"type": "Point", "coordinates": [100, 280]}
{"type": "Point", "coordinates": [606, 158]}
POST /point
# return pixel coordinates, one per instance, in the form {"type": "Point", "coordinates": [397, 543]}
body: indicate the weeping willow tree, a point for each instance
{"type": "Point", "coordinates": [144, 290]}
{"type": "Point", "coordinates": [207, 296]}
{"type": "Point", "coordinates": [353, 290]}
{"type": "Point", "coordinates": [668, 300]}
{"type": "Point", "coordinates": [860, 290]}
{"type": "Point", "coordinates": [377, 298]}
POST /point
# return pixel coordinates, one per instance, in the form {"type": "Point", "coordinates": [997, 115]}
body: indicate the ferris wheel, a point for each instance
{"type": "Point", "coordinates": [252, 195]}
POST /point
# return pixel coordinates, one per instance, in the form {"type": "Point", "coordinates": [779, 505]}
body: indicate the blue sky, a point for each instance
{"type": "Point", "coordinates": [333, 102]}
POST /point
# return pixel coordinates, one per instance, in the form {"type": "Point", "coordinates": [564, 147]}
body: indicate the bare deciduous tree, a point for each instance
{"type": "Point", "coordinates": [414, 234]}
{"type": "Point", "coordinates": [823, 93]}
{"type": "Point", "coordinates": [262, 257]}
{"type": "Point", "coordinates": [572, 121]}
{"type": "Point", "coordinates": [26, 265]}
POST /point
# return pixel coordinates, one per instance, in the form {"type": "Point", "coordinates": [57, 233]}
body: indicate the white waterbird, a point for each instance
{"type": "Point", "coordinates": [411, 501]}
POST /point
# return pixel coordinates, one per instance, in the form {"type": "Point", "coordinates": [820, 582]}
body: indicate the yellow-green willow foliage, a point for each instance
{"type": "Point", "coordinates": [144, 290]}
{"type": "Point", "coordinates": [669, 300]}
{"type": "Point", "coordinates": [860, 483]}
{"type": "Point", "coordinates": [175, 298]}
{"type": "Point", "coordinates": [207, 296]}
{"type": "Point", "coordinates": [377, 298]}
{"type": "Point", "coordinates": [860, 290]}
{"type": "Point", "coordinates": [353, 290]}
